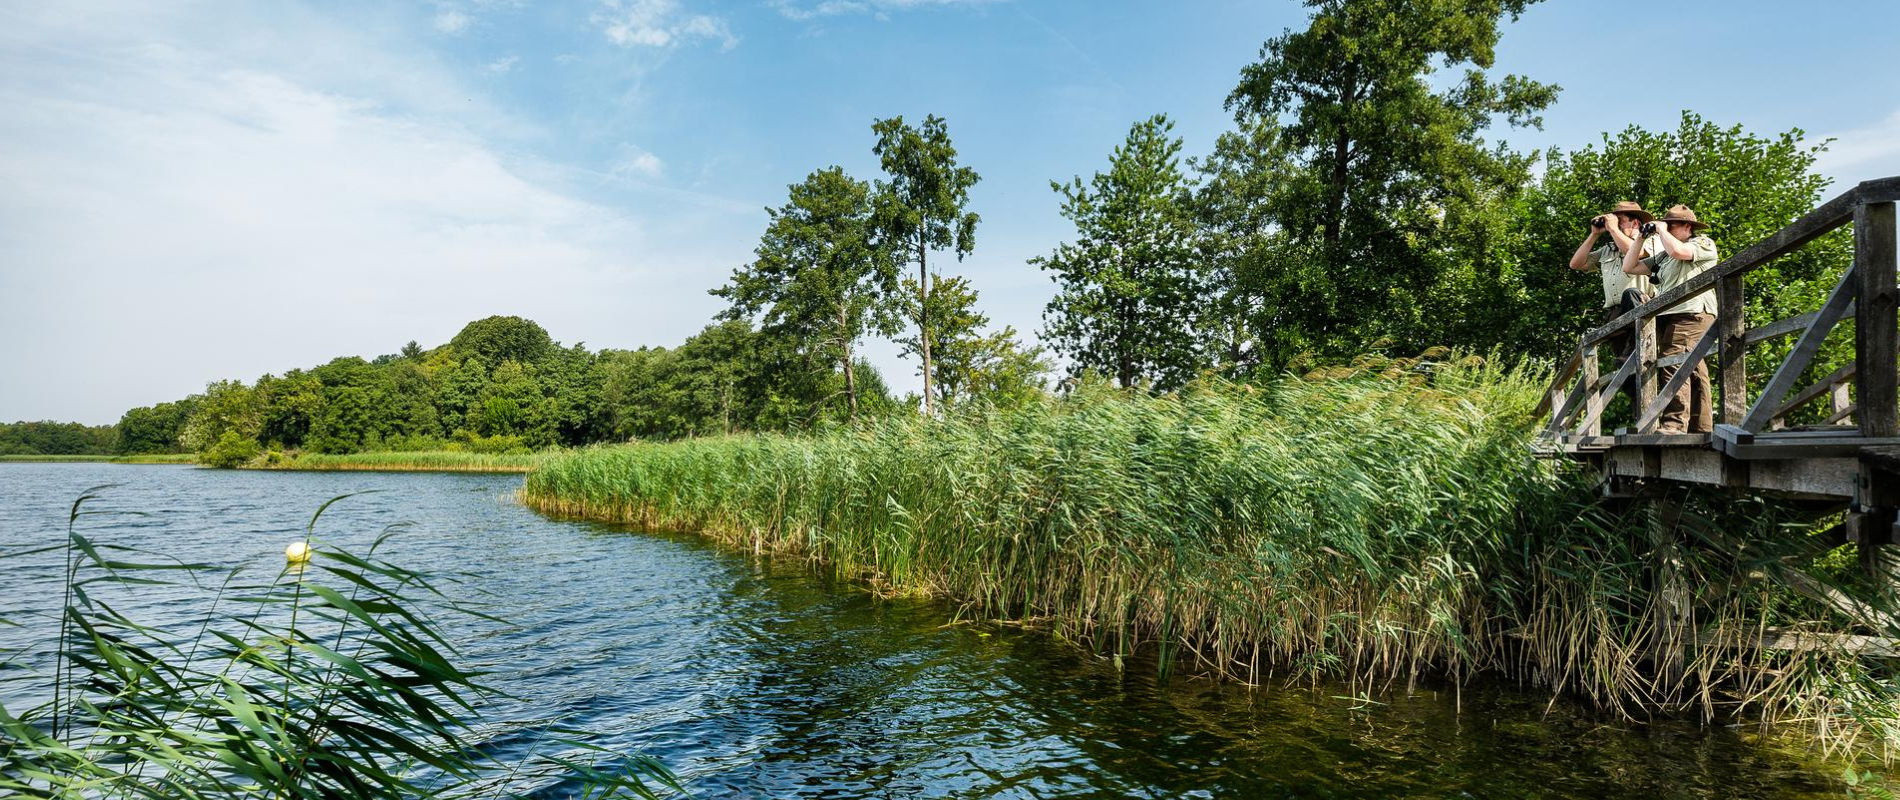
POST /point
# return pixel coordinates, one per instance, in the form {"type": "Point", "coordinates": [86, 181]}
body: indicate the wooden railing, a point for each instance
{"type": "Point", "coordinates": [1576, 399]}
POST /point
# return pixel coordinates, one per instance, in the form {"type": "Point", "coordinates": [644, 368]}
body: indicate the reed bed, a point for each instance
{"type": "Point", "coordinates": [1376, 529]}
{"type": "Point", "coordinates": [427, 461]}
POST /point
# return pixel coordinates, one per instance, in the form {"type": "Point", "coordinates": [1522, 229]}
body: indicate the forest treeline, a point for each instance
{"type": "Point", "coordinates": [1356, 205]}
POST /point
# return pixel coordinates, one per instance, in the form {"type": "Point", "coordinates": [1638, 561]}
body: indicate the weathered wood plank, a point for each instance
{"type": "Point", "coordinates": [1827, 477]}
{"type": "Point", "coordinates": [1876, 304]}
{"type": "Point", "coordinates": [1784, 327]}
{"type": "Point", "coordinates": [1803, 353]}
{"type": "Point", "coordinates": [1594, 404]}
{"type": "Point", "coordinates": [1654, 411]}
{"type": "Point", "coordinates": [1563, 379]}
{"type": "Point", "coordinates": [1808, 447]}
{"type": "Point", "coordinates": [1616, 381]}
{"type": "Point", "coordinates": [1663, 439]}
{"type": "Point", "coordinates": [1646, 370]}
{"type": "Point", "coordinates": [1731, 370]}
{"type": "Point", "coordinates": [1820, 387]}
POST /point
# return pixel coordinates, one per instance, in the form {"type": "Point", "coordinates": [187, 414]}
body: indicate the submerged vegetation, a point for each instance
{"type": "Point", "coordinates": [1380, 524]}
{"type": "Point", "coordinates": [327, 680]}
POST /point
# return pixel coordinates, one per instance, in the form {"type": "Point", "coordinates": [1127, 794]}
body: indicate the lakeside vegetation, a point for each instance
{"type": "Point", "coordinates": [423, 461]}
{"type": "Point", "coordinates": [1366, 523]}
{"type": "Point", "coordinates": [176, 458]}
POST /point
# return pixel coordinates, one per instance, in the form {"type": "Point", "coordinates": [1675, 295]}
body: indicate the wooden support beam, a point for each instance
{"type": "Point", "coordinates": [1557, 386]}
{"type": "Point", "coordinates": [1784, 327]}
{"type": "Point", "coordinates": [1622, 372]}
{"type": "Point", "coordinates": [1594, 400]}
{"type": "Point", "coordinates": [1826, 385]}
{"type": "Point", "coordinates": [1731, 370]}
{"type": "Point", "coordinates": [1803, 353]}
{"type": "Point", "coordinates": [1645, 351]}
{"type": "Point", "coordinates": [1876, 305]}
{"type": "Point", "coordinates": [1647, 422]}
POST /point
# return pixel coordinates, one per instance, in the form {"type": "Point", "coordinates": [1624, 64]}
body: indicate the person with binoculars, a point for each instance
{"type": "Point", "coordinates": [1682, 252]}
{"type": "Point", "coordinates": [1622, 291]}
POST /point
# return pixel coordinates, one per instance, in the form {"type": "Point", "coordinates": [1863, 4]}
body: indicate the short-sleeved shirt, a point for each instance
{"type": "Point", "coordinates": [1615, 280]}
{"type": "Point", "coordinates": [1671, 273]}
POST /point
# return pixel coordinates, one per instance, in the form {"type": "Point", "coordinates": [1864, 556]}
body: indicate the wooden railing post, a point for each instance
{"type": "Point", "coordinates": [1878, 408]}
{"type": "Point", "coordinates": [1874, 320]}
{"type": "Point", "coordinates": [1732, 363]}
{"type": "Point", "coordinates": [1645, 353]}
{"type": "Point", "coordinates": [1593, 404]}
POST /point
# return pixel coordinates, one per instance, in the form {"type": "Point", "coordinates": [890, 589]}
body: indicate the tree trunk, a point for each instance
{"type": "Point", "coordinates": [1342, 147]}
{"type": "Point", "coordinates": [850, 376]}
{"type": "Point", "coordinates": [923, 317]}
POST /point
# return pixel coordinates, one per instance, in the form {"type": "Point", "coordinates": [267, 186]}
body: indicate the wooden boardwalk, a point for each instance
{"type": "Point", "coordinates": [1847, 456]}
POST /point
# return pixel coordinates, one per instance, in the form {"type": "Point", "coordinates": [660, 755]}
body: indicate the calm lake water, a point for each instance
{"type": "Point", "coordinates": [755, 678]}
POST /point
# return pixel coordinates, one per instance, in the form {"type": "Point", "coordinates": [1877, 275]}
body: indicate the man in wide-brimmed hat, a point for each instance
{"type": "Point", "coordinates": [1621, 290]}
{"type": "Point", "coordinates": [1682, 253]}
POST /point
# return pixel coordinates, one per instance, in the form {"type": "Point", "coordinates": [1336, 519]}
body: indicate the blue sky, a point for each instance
{"type": "Point", "coordinates": [192, 191]}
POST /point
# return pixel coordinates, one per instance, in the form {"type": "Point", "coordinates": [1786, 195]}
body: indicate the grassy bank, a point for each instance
{"type": "Point", "coordinates": [431, 461]}
{"type": "Point", "coordinates": [1371, 529]}
{"type": "Point", "coordinates": [174, 458]}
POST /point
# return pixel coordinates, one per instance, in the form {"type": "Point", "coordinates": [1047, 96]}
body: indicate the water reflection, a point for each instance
{"type": "Point", "coordinates": [755, 678]}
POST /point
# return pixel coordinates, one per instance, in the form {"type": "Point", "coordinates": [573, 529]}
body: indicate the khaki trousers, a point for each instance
{"type": "Point", "coordinates": [1677, 334]}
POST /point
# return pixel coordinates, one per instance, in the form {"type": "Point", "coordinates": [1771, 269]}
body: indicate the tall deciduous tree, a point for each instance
{"type": "Point", "coordinates": [1381, 162]}
{"type": "Point", "coordinates": [1129, 288]}
{"type": "Point", "coordinates": [923, 207]}
{"type": "Point", "coordinates": [970, 364]}
{"type": "Point", "coordinates": [819, 277]}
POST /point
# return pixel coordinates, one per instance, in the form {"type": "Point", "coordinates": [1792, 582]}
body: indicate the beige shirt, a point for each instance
{"type": "Point", "coordinates": [1615, 280]}
{"type": "Point", "coordinates": [1670, 273]}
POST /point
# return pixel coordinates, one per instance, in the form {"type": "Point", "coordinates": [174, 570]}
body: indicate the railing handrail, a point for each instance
{"type": "Point", "coordinates": [1812, 225]}
{"type": "Point", "coordinates": [1841, 210]}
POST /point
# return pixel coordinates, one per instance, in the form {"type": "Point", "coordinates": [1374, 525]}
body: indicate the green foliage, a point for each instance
{"type": "Point", "coordinates": [225, 407]}
{"type": "Point", "coordinates": [971, 365]}
{"type": "Point", "coordinates": [1131, 288]}
{"type": "Point", "coordinates": [154, 429]}
{"type": "Point", "coordinates": [1364, 170]}
{"type": "Point", "coordinates": [921, 208]}
{"type": "Point", "coordinates": [328, 681]}
{"type": "Point", "coordinates": [497, 339]}
{"type": "Point", "coordinates": [232, 449]}
{"type": "Point", "coordinates": [820, 280]}
{"type": "Point", "coordinates": [56, 439]}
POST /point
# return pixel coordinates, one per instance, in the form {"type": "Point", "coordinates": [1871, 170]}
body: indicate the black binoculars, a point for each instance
{"type": "Point", "coordinates": [1649, 228]}
{"type": "Point", "coordinates": [1599, 222]}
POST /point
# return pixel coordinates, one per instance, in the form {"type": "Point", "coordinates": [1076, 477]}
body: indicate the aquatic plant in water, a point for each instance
{"type": "Point", "coordinates": [330, 680]}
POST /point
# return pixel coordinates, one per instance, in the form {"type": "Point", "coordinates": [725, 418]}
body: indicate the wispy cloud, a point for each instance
{"type": "Point", "coordinates": [452, 22]}
{"type": "Point", "coordinates": [659, 23]}
{"type": "Point", "coordinates": [167, 181]}
{"type": "Point", "coordinates": [1863, 153]}
{"type": "Point", "coordinates": [502, 66]}
{"type": "Point", "coordinates": [802, 11]}
{"type": "Point", "coordinates": [634, 162]}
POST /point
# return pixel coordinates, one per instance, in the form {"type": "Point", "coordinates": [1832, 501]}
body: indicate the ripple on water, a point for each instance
{"type": "Point", "coordinates": [752, 678]}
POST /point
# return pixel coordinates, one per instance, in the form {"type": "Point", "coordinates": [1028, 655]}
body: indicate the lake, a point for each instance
{"type": "Point", "coordinates": [754, 677]}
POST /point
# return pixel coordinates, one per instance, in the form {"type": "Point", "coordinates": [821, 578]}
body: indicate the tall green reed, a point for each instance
{"type": "Point", "coordinates": [331, 680]}
{"type": "Point", "coordinates": [1374, 523]}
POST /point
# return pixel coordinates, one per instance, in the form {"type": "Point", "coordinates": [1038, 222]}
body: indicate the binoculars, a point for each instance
{"type": "Point", "coordinates": [1649, 228]}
